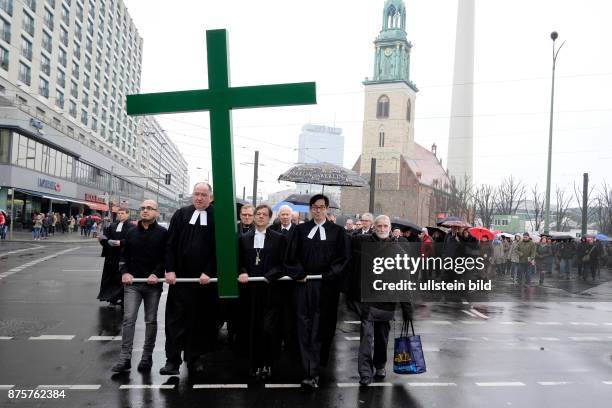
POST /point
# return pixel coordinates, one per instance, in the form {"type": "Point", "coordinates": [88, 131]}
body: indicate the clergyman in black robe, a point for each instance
{"type": "Point", "coordinates": [318, 247]}
{"type": "Point", "coordinates": [262, 254]}
{"type": "Point", "coordinates": [192, 309]}
{"type": "Point", "coordinates": [112, 241]}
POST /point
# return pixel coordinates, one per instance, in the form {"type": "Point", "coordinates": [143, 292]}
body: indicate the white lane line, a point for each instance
{"type": "Point", "coordinates": [5, 338]}
{"type": "Point", "coordinates": [440, 322]}
{"type": "Point", "coordinates": [461, 338]}
{"type": "Point", "coordinates": [20, 250]}
{"type": "Point", "coordinates": [585, 338]}
{"type": "Point", "coordinates": [351, 338]}
{"type": "Point", "coordinates": [607, 382]}
{"type": "Point", "coordinates": [501, 384]}
{"type": "Point", "coordinates": [347, 385]}
{"type": "Point", "coordinates": [147, 386]}
{"type": "Point", "coordinates": [53, 337]}
{"type": "Point", "coordinates": [430, 384]}
{"type": "Point", "coordinates": [477, 313]}
{"type": "Point", "coordinates": [553, 383]}
{"type": "Point", "coordinates": [607, 324]}
{"type": "Point", "coordinates": [217, 386]}
{"type": "Point", "coordinates": [71, 387]}
{"type": "Point", "coordinates": [283, 385]}
{"type": "Point", "coordinates": [472, 322]}
{"type": "Point", "coordinates": [513, 323]}
{"type": "Point", "coordinates": [6, 387]}
{"type": "Point", "coordinates": [37, 261]}
{"type": "Point", "coordinates": [352, 322]}
{"type": "Point", "coordinates": [104, 338]}
{"type": "Point", "coordinates": [583, 324]}
{"type": "Point", "coordinates": [550, 338]}
{"type": "Point", "coordinates": [549, 323]}
{"type": "Point", "coordinates": [467, 312]}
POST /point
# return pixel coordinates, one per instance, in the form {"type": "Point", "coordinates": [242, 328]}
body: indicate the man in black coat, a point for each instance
{"type": "Point", "coordinates": [262, 254]}
{"type": "Point", "coordinates": [113, 241]}
{"type": "Point", "coordinates": [318, 247]}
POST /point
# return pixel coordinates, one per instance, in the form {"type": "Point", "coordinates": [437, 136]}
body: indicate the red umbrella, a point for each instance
{"type": "Point", "coordinates": [479, 232]}
{"type": "Point", "coordinates": [96, 218]}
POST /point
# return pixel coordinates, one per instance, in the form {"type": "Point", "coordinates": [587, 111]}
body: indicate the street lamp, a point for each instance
{"type": "Point", "coordinates": [553, 36]}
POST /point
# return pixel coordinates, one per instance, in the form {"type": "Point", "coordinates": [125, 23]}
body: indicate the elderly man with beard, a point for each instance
{"type": "Point", "coordinates": [375, 317]}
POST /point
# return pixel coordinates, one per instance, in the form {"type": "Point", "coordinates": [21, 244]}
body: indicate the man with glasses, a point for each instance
{"type": "Point", "coordinates": [318, 247]}
{"type": "Point", "coordinates": [366, 224]}
{"type": "Point", "coordinates": [247, 216]}
{"type": "Point", "coordinates": [192, 310]}
{"type": "Point", "coordinates": [142, 257]}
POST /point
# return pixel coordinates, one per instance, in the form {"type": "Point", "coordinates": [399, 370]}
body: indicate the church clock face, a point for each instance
{"type": "Point", "coordinates": [388, 52]}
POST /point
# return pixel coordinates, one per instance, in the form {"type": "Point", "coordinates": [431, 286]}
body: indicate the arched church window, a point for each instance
{"type": "Point", "coordinates": [409, 111]}
{"type": "Point", "coordinates": [382, 107]}
{"type": "Point", "coordinates": [381, 137]}
{"type": "Point", "coordinates": [396, 19]}
{"type": "Point", "coordinates": [390, 16]}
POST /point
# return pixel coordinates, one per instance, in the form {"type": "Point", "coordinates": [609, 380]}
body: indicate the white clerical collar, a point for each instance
{"type": "Point", "coordinates": [119, 227]}
{"type": "Point", "coordinates": [321, 230]}
{"type": "Point", "coordinates": [260, 237]}
{"type": "Point", "coordinates": [287, 227]}
{"type": "Point", "coordinates": [203, 217]}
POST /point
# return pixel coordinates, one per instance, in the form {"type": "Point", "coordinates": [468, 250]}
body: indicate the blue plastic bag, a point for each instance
{"type": "Point", "coordinates": [408, 355]}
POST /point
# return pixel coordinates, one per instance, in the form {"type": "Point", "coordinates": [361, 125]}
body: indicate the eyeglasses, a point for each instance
{"type": "Point", "coordinates": [148, 208]}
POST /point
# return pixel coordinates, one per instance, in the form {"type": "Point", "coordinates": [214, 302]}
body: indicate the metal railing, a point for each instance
{"type": "Point", "coordinates": [214, 280]}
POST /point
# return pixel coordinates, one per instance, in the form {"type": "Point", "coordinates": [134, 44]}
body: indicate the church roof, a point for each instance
{"type": "Point", "coordinates": [423, 161]}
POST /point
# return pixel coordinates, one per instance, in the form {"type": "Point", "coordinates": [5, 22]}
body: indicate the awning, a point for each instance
{"type": "Point", "coordinates": [96, 206]}
{"type": "Point", "coordinates": [60, 199]}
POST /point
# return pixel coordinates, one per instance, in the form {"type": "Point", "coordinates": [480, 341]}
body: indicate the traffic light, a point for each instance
{"type": "Point", "coordinates": [168, 179]}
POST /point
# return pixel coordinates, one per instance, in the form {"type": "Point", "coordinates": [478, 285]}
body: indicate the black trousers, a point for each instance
{"type": "Point", "coordinates": [192, 311]}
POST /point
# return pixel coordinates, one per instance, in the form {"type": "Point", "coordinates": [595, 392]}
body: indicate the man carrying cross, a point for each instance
{"type": "Point", "coordinates": [191, 309]}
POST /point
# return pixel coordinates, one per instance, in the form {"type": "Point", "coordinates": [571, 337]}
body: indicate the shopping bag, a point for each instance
{"type": "Point", "coordinates": [408, 355]}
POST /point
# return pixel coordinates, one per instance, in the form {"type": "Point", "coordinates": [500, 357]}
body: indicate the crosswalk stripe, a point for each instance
{"type": "Point", "coordinates": [431, 384]}
{"type": "Point", "coordinates": [53, 337]}
{"type": "Point", "coordinates": [352, 322]}
{"type": "Point", "coordinates": [351, 338]}
{"type": "Point", "coordinates": [71, 387]}
{"type": "Point", "coordinates": [147, 386]}
{"type": "Point", "coordinates": [104, 338]}
{"type": "Point", "coordinates": [501, 384]}
{"type": "Point", "coordinates": [347, 385]}
{"type": "Point", "coordinates": [607, 382]}
{"type": "Point", "coordinates": [213, 386]}
{"type": "Point", "coordinates": [439, 321]}
{"type": "Point", "coordinates": [547, 383]}
{"type": "Point", "coordinates": [513, 323]}
{"type": "Point", "coordinates": [6, 387]}
{"type": "Point", "coordinates": [583, 324]}
{"type": "Point", "coordinates": [5, 338]}
{"type": "Point", "coordinates": [549, 323]}
{"type": "Point", "coordinates": [585, 338]}
{"type": "Point", "coordinates": [283, 385]}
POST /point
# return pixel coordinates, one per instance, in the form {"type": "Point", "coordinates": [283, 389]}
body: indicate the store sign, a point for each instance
{"type": "Point", "coordinates": [49, 184]}
{"type": "Point", "coordinates": [94, 198]}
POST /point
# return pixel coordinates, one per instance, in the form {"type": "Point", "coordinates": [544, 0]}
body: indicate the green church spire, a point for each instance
{"type": "Point", "coordinates": [392, 49]}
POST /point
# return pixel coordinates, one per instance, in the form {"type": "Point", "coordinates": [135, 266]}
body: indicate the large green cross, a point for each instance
{"type": "Point", "coordinates": [220, 99]}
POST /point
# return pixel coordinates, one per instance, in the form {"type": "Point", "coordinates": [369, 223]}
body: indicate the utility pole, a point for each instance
{"type": "Point", "coordinates": [244, 192]}
{"type": "Point", "coordinates": [159, 165]}
{"type": "Point", "coordinates": [110, 194]}
{"type": "Point", "coordinates": [372, 184]}
{"type": "Point", "coordinates": [585, 202]}
{"type": "Point", "coordinates": [255, 176]}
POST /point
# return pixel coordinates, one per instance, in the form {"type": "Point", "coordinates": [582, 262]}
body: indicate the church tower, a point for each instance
{"type": "Point", "coordinates": [388, 127]}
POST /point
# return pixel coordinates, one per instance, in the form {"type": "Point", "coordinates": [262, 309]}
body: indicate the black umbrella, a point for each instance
{"type": "Point", "coordinates": [404, 225]}
{"type": "Point", "coordinates": [562, 237]}
{"type": "Point", "coordinates": [431, 230]}
{"type": "Point", "coordinates": [304, 199]}
{"type": "Point", "coordinates": [325, 174]}
{"type": "Point", "coordinates": [451, 218]}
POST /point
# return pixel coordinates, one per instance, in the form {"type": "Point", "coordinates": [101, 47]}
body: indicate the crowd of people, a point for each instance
{"type": "Point", "coordinates": [48, 224]}
{"type": "Point", "coordinates": [292, 277]}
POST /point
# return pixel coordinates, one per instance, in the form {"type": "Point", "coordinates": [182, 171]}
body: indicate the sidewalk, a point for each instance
{"type": "Point", "coordinates": [59, 238]}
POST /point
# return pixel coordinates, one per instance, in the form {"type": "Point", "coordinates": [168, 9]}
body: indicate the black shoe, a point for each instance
{"type": "Point", "coordinates": [380, 373]}
{"type": "Point", "coordinates": [365, 381]}
{"type": "Point", "coordinates": [145, 364]}
{"type": "Point", "coordinates": [169, 369]}
{"type": "Point", "coordinates": [310, 383]}
{"type": "Point", "coordinates": [121, 366]}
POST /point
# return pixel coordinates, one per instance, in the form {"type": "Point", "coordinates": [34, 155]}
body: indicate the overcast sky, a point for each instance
{"type": "Point", "coordinates": [331, 43]}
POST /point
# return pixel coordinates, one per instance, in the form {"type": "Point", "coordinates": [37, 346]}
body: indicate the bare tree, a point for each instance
{"type": "Point", "coordinates": [536, 215]}
{"type": "Point", "coordinates": [461, 199]}
{"type": "Point", "coordinates": [603, 209]}
{"type": "Point", "coordinates": [590, 210]}
{"type": "Point", "coordinates": [509, 195]}
{"type": "Point", "coordinates": [561, 205]}
{"type": "Point", "coordinates": [484, 200]}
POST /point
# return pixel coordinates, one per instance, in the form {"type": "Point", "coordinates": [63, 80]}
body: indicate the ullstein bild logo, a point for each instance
{"type": "Point", "coordinates": [51, 185]}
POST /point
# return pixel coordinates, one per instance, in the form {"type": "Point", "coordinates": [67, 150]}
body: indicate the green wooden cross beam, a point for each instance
{"type": "Point", "coordinates": [220, 99]}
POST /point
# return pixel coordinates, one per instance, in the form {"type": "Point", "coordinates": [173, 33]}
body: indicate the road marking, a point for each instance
{"type": "Point", "coordinates": [147, 386]}
{"type": "Point", "coordinates": [53, 337]}
{"type": "Point", "coordinates": [104, 338]}
{"type": "Point", "coordinates": [467, 312]}
{"type": "Point", "coordinates": [547, 383]}
{"type": "Point", "coordinates": [35, 262]}
{"type": "Point", "coordinates": [513, 323]}
{"type": "Point", "coordinates": [352, 322]}
{"type": "Point", "coordinates": [430, 384]}
{"type": "Point", "coordinates": [283, 385]}
{"type": "Point", "coordinates": [20, 250]}
{"type": "Point", "coordinates": [472, 322]}
{"type": "Point", "coordinates": [5, 338]}
{"type": "Point", "coordinates": [607, 382]}
{"type": "Point", "coordinates": [550, 338]}
{"type": "Point", "coordinates": [351, 338]}
{"type": "Point", "coordinates": [346, 385]}
{"type": "Point", "coordinates": [583, 324]}
{"type": "Point", "coordinates": [71, 387]}
{"type": "Point", "coordinates": [6, 387]}
{"type": "Point", "coordinates": [585, 338]}
{"type": "Point", "coordinates": [477, 313]}
{"type": "Point", "coordinates": [215, 386]}
{"type": "Point", "coordinates": [607, 324]}
{"type": "Point", "coordinates": [440, 322]}
{"type": "Point", "coordinates": [501, 384]}
{"type": "Point", "coordinates": [461, 338]}
{"type": "Point", "coordinates": [549, 323]}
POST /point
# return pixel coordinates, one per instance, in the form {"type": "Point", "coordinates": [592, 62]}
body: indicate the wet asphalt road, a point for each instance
{"type": "Point", "coordinates": [519, 353]}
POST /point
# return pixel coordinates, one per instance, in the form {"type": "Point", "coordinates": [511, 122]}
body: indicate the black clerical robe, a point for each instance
{"type": "Point", "coordinates": [192, 309]}
{"type": "Point", "coordinates": [317, 300]}
{"type": "Point", "coordinates": [260, 302]}
{"type": "Point", "coordinates": [111, 288]}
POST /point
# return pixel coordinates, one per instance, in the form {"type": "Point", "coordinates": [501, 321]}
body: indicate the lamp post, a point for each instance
{"type": "Point", "coordinates": [554, 35]}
